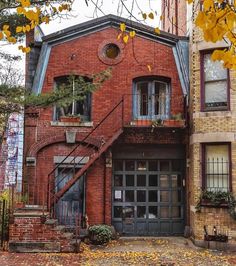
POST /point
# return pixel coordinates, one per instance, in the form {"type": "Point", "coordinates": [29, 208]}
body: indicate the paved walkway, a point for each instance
{"type": "Point", "coordinates": [169, 251]}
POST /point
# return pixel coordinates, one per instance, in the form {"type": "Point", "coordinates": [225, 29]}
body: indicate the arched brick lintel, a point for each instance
{"type": "Point", "coordinates": [36, 147]}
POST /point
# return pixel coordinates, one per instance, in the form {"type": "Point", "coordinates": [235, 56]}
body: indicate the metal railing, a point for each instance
{"type": "Point", "coordinates": [217, 174]}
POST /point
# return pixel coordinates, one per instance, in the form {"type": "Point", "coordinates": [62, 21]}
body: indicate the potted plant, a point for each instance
{"type": "Point", "coordinates": [21, 200]}
{"type": "Point", "coordinates": [175, 121]}
{"type": "Point", "coordinates": [71, 118]}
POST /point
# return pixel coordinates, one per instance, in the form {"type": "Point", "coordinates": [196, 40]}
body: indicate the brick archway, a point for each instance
{"type": "Point", "coordinates": [36, 147]}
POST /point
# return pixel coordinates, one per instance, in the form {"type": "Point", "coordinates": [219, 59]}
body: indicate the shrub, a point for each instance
{"type": "Point", "coordinates": [100, 234]}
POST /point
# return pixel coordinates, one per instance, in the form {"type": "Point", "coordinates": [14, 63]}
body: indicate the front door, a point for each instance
{"type": "Point", "coordinates": [70, 205]}
{"type": "Point", "coordinates": [148, 197]}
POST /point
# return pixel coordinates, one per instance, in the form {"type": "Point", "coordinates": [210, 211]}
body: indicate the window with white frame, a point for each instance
{"type": "Point", "coordinates": [151, 99]}
{"type": "Point", "coordinates": [76, 108]}
{"type": "Point", "coordinates": [217, 167]}
{"type": "Point", "coordinates": [214, 84]}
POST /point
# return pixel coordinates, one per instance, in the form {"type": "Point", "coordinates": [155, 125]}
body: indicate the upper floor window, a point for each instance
{"type": "Point", "coordinates": [216, 167]}
{"type": "Point", "coordinates": [80, 107]}
{"type": "Point", "coordinates": [151, 99]}
{"type": "Point", "coordinates": [214, 85]}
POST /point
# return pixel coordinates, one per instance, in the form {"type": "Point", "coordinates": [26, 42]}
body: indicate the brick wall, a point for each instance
{"type": "Point", "coordinates": [174, 14]}
{"type": "Point", "coordinates": [86, 51]}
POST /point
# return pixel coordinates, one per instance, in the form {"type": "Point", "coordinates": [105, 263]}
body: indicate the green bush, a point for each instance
{"type": "Point", "coordinates": [100, 234]}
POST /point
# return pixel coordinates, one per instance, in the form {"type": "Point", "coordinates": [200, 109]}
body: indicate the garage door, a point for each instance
{"type": "Point", "coordinates": [148, 197]}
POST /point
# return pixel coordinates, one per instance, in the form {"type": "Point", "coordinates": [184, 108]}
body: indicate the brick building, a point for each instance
{"type": "Point", "coordinates": [124, 162]}
{"type": "Point", "coordinates": [212, 146]}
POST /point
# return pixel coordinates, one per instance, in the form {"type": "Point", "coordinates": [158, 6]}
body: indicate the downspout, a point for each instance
{"type": "Point", "coordinates": [104, 190]}
{"type": "Point", "coordinates": [176, 18]}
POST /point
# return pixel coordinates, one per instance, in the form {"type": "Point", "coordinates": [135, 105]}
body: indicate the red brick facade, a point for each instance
{"type": "Point", "coordinates": [45, 139]}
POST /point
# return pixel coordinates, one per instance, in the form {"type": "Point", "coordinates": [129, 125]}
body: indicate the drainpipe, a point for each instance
{"type": "Point", "coordinates": [104, 190]}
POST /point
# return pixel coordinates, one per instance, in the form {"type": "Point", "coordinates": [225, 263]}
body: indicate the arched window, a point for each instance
{"type": "Point", "coordinates": [151, 99]}
{"type": "Point", "coordinates": [80, 107]}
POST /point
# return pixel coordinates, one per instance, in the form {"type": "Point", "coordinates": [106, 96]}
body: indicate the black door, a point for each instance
{"type": "Point", "coordinates": [148, 197]}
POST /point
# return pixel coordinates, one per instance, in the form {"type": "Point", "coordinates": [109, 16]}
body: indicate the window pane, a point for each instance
{"type": "Point", "coordinates": [141, 166]}
{"type": "Point", "coordinates": [153, 180]}
{"type": "Point", "coordinates": [141, 180]}
{"type": "Point", "coordinates": [176, 212]}
{"type": "Point", "coordinates": [141, 211]}
{"type": "Point", "coordinates": [164, 181]}
{"type": "Point", "coordinates": [118, 195]}
{"type": "Point", "coordinates": [152, 212]}
{"type": "Point", "coordinates": [129, 180]}
{"type": "Point", "coordinates": [129, 165]}
{"type": "Point", "coordinates": [129, 196]}
{"type": "Point", "coordinates": [176, 165]}
{"type": "Point", "coordinates": [152, 166]}
{"type": "Point", "coordinates": [216, 94]}
{"type": "Point", "coordinates": [118, 180]}
{"type": "Point", "coordinates": [160, 98]}
{"type": "Point", "coordinates": [128, 212]}
{"type": "Point", "coordinates": [213, 70]}
{"type": "Point", "coordinates": [117, 212]}
{"type": "Point", "coordinates": [217, 167]}
{"type": "Point", "coordinates": [141, 196]}
{"type": "Point", "coordinates": [164, 196]}
{"type": "Point", "coordinates": [176, 196]}
{"type": "Point", "coordinates": [164, 166]}
{"type": "Point", "coordinates": [164, 211]}
{"type": "Point", "coordinates": [152, 196]}
{"type": "Point", "coordinates": [143, 98]}
{"type": "Point", "coordinates": [176, 181]}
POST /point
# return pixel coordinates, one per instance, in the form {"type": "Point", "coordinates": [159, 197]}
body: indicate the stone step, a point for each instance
{"type": "Point", "coordinates": [61, 228]}
{"type": "Point", "coordinates": [51, 221]}
{"type": "Point", "coordinates": [34, 247]}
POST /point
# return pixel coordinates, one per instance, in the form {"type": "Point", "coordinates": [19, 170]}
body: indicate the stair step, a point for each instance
{"type": "Point", "coordinates": [59, 228]}
{"type": "Point", "coordinates": [34, 247]}
{"type": "Point", "coordinates": [51, 222]}
{"type": "Point", "coordinates": [68, 235]}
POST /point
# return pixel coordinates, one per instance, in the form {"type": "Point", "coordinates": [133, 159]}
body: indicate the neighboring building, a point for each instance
{"type": "Point", "coordinates": [124, 163]}
{"type": "Point", "coordinates": [212, 128]}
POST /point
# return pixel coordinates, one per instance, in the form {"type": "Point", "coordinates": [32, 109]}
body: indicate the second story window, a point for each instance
{"type": "Point", "coordinates": [214, 84]}
{"type": "Point", "coordinates": [80, 107]}
{"type": "Point", "coordinates": [151, 100]}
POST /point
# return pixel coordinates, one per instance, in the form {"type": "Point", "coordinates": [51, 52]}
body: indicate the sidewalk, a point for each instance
{"type": "Point", "coordinates": [164, 251]}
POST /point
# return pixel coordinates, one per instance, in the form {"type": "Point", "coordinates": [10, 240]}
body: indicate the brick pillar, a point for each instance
{"type": "Point", "coordinates": [108, 188]}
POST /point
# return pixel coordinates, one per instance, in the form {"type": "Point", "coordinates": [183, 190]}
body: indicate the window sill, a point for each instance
{"type": "Point", "coordinates": [222, 113]}
{"type": "Point", "coordinates": [71, 124]}
{"type": "Point", "coordinates": [209, 204]}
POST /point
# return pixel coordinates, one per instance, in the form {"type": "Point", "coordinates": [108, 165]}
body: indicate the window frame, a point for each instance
{"type": "Point", "coordinates": [203, 170]}
{"type": "Point", "coordinates": [202, 86]}
{"type": "Point", "coordinates": [88, 99]}
{"type": "Point", "coordinates": [151, 87]}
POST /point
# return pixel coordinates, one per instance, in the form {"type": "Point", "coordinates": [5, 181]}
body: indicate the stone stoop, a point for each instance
{"type": "Point", "coordinates": [31, 230]}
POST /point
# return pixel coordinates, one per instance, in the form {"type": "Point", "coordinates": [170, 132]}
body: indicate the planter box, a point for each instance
{"type": "Point", "coordinates": [19, 205]}
{"type": "Point", "coordinates": [207, 203]}
{"type": "Point", "coordinates": [218, 238]}
{"type": "Point", "coordinates": [174, 123]}
{"type": "Point", "coordinates": [70, 119]}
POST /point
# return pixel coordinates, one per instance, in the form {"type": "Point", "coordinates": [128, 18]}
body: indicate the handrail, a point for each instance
{"type": "Point", "coordinates": [58, 165]}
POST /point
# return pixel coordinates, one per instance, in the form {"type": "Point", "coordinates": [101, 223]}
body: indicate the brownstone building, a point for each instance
{"type": "Point", "coordinates": [124, 162]}
{"type": "Point", "coordinates": [212, 130]}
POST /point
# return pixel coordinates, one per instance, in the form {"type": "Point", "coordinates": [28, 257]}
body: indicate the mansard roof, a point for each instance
{"type": "Point", "coordinates": [178, 44]}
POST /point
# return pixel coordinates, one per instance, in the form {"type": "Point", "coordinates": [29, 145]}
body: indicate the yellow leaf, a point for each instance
{"type": "Point", "coordinates": [18, 29]}
{"type": "Point", "coordinates": [27, 49]}
{"type": "Point", "coordinates": [20, 47]}
{"type": "Point", "coordinates": [60, 8]}
{"type": "Point", "coordinates": [7, 33]}
{"type": "Point", "coordinates": [54, 9]}
{"type": "Point", "coordinates": [132, 34]}
{"type": "Point", "coordinates": [144, 15]}
{"type": "Point", "coordinates": [150, 15]}
{"type": "Point", "coordinates": [207, 4]}
{"type": "Point", "coordinates": [1, 35]}
{"type": "Point", "coordinates": [24, 29]}
{"type": "Point", "coordinates": [25, 3]}
{"type": "Point", "coordinates": [149, 68]}
{"type": "Point", "coordinates": [5, 27]}
{"type": "Point", "coordinates": [20, 10]}
{"type": "Point", "coordinates": [126, 38]}
{"type": "Point", "coordinates": [119, 36]}
{"type": "Point", "coordinates": [161, 17]}
{"type": "Point", "coordinates": [122, 27]}
{"type": "Point", "coordinates": [157, 30]}
{"type": "Point", "coordinates": [27, 27]}
{"type": "Point", "coordinates": [189, 1]}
